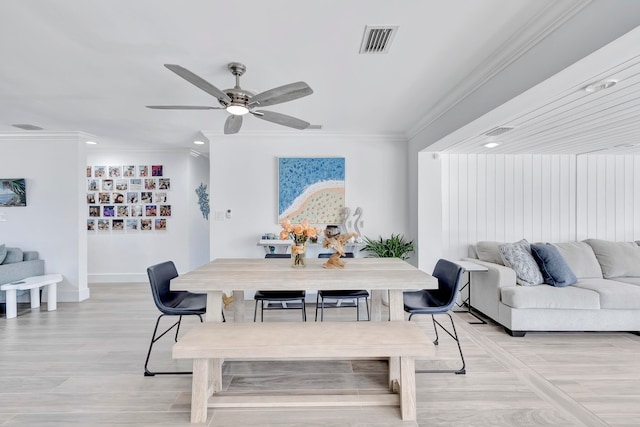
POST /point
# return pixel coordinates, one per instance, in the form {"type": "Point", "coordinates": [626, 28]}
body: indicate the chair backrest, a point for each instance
{"type": "Point", "coordinates": [277, 256]}
{"type": "Point", "coordinates": [328, 255]}
{"type": "Point", "coordinates": [160, 276]}
{"type": "Point", "coordinates": [449, 276]}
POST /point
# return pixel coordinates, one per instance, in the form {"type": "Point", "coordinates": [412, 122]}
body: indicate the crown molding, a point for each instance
{"type": "Point", "coordinates": [552, 17]}
{"type": "Point", "coordinates": [48, 136]}
{"type": "Point", "coordinates": [217, 136]}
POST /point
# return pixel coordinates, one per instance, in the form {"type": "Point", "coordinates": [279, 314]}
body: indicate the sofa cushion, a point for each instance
{"type": "Point", "coordinates": [518, 257]}
{"type": "Point", "coordinates": [489, 252]}
{"type": "Point", "coordinates": [581, 259]}
{"type": "Point", "coordinates": [545, 296]}
{"type": "Point", "coordinates": [13, 255]}
{"type": "Point", "coordinates": [555, 270]}
{"type": "Point", "coordinates": [613, 294]}
{"type": "Point", "coordinates": [3, 253]}
{"type": "Point", "coordinates": [630, 280]}
{"type": "Point", "coordinates": [617, 259]}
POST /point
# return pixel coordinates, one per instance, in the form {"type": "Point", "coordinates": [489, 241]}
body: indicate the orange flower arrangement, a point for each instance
{"type": "Point", "coordinates": [299, 233]}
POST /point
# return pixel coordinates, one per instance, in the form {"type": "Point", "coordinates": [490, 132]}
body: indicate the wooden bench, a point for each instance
{"type": "Point", "coordinates": [209, 344]}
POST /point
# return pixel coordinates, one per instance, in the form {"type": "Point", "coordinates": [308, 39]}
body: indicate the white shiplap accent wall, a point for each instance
{"type": "Point", "coordinates": [507, 198]}
{"type": "Point", "coordinates": [550, 198]}
{"type": "Point", "coordinates": [608, 198]}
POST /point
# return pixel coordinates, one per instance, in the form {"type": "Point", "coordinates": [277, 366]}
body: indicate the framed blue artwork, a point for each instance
{"type": "Point", "coordinates": [13, 192]}
{"type": "Point", "coordinates": [311, 188]}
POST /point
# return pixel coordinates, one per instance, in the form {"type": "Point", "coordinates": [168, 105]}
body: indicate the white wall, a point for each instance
{"type": "Point", "coordinates": [244, 179]}
{"type": "Point", "coordinates": [549, 198]}
{"type": "Point", "coordinates": [51, 223]}
{"type": "Point", "coordinates": [123, 256]}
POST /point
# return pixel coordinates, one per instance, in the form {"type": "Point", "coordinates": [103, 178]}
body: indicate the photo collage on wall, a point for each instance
{"type": "Point", "coordinates": [129, 198]}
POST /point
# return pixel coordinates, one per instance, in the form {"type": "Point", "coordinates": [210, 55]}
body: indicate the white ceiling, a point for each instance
{"type": "Point", "coordinates": [93, 65]}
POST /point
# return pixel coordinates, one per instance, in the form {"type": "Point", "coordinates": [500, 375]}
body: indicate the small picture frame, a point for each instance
{"type": "Point", "coordinates": [164, 184]}
{"type": "Point", "coordinates": [128, 171]}
{"type": "Point", "coordinates": [146, 224]}
{"type": "Point", "coordinates": [143, 171]}
{"type": "Point", "coordinates": [165, 210]}
{"type": "Point", "coordinates": [161, 224]}
{"type": "Point", "coordinates": [99, 171]}
{"type": "Point", "coordinates": [156, 170]}
{"type": "Point", "coordinates": [115, 171]}
{"type": "Point", "coordinates": [150, 210]}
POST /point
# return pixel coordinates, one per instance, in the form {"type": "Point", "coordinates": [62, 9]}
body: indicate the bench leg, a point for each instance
{"type": "Point", "coordinates": [52, 297]}
{"type": "Point", "coordinates": [199, 390]}
{"type": "Point", "coordinates": [394, 372]}
{"type": "Point", "coordinates": [12, 303]}
{"type": "Point", "coordinates": [408, 388]}
{"type": "Point", "coordinates": [35, 297]}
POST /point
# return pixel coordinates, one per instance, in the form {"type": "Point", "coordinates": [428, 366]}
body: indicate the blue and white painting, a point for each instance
{"type": "Point", "coordinates": [310, 188]}
{"type": "Point", "coordinates": [13, 192]}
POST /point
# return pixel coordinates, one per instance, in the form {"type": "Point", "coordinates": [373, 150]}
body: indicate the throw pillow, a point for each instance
{"type": "Point", "coordinates": [3, 253]}
{"type": "Point", "coordinates": [518, 257]}
{"type": "Point", "coordinates": [13, 255]}
{"type": "Point", "coordinates": [555, 270]}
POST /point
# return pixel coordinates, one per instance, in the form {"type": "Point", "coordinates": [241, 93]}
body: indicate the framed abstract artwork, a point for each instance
{"type": "Point", "coordinates": [311, 188]}
{"type": "Point", "coordinates": [13, 192]}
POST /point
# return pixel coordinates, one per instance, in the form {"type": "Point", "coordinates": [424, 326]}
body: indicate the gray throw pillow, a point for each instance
{"type": "Point", "coordinates": [518, 257]}
{"type": "Point", "coordinates": [555, 270]}
{"type": "Point", "coordinates": [3, 253]}
{"type": "Point", "coordinates": [617, 259]}
{"type": "Point", "coordinates": [13, 255]}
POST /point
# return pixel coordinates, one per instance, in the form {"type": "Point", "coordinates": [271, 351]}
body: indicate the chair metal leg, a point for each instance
{"type": "Point", "coordinates": [433, 319]}
{"type": "Point", "coordinates": [304, 311]}
{"type": "Point", "coordinates": [368, 313]}
{"type": "Point", "coordinates": [255, 311]}
{"type": "Point", "coordinates": [453, 335]}
{"type": "Point", "coordinates": [317, 302]}
{"type": "Point", "coordinates": [154, 339]}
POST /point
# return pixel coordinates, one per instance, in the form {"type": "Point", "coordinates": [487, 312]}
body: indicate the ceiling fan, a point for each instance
{"type": "Point", "coordinates": [238, 101]}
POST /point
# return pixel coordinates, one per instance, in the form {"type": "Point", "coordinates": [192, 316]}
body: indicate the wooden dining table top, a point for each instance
{"type": "Point", "coordinates": [278, 274]}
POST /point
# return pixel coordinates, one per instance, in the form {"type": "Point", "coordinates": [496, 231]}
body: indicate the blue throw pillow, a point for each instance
{"type": "Point", "coordinates": [553, 266]}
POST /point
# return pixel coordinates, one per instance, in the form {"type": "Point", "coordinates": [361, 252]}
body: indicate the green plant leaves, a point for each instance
{"type": "Point", "coordinates": [393, 247]}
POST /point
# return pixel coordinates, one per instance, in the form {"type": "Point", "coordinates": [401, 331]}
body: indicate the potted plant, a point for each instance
{"type": "Point", "coordinates": [393, 247]}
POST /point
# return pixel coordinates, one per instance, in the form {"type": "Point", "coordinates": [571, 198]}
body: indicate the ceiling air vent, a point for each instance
{"type": "Point", "coordinates": [377, 39]}
{"type": "Point", "coordinates": [27, 127]}
{"type": "Point", "coordinates": [499, 131]}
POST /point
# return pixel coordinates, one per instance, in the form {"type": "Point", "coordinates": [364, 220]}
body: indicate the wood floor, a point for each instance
{"type": "Point", "coordinates": [82, 365]}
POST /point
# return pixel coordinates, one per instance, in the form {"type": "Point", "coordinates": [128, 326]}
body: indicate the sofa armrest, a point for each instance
{"type": "Point", "coordinates": [486, 286]}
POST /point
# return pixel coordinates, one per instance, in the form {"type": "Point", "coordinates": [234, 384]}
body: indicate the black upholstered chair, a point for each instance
{"type": "Point", "coordinates": [281, 297]}
{"type": "Point", "coordinates": [438, 301]}
{"type": "Point", "coordinates": [341, 295]}
{"type": "Point", "coordinates": [171, 303]}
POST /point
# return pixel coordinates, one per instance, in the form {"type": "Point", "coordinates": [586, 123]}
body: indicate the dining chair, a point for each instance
{"type": "Point", "coordinates": [171, 303]}
{"type": "Point", "coordinates": [341, 295]}
{"type": "Point", "coordinates": [281, 297]}
{"type": "Point", "coordinates": [438, 301]}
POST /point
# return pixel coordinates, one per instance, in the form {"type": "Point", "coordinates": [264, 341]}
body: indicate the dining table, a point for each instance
{"type": "Point", "coordinates": [237, 275]}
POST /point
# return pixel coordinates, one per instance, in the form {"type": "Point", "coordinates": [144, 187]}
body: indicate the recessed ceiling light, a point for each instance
{"type": "Point", "coordinates": [198, 142]}
{"type": "Point", "coordinates": [91, 143]}
{"type": "Point", "coordinates": [491, 144]}
{"type": "Point", "coordinates": [604, 84]}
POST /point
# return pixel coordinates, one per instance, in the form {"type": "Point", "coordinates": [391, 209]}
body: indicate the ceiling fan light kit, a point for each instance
{"type": "Point", "coordinates": [239, 102]}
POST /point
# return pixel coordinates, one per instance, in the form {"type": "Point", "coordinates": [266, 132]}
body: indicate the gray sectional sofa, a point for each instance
{"type": "Point", "coordinates": [605, 297]}
{"type": "Point", "coordinates": [16, 264]}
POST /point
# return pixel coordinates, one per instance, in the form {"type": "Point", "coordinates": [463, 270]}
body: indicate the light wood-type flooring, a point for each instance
{"type": "Point", "coordinates": [82, 365]}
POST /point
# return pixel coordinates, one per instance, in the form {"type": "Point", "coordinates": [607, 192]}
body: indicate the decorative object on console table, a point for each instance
{"type": "Point", "coordinates": [299, 233]}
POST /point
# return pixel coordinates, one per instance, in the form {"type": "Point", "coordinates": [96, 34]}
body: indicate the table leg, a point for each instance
{"type": "Point", "coordinates": [214, 306]}
{"type": "Point", "coordinates": [52, 297]}
{"type": "Point", "coordinates": [396, 313]}
{"type": "Point", "coordinates": [35, 297]}
{"type": "Point", "coordinates": [238, 306]}
{"type": "Point", "coordinates": [376, 304]}
{"type": "Point", "coordinates": [199, 390]}
{"type": "Point", "coordinates": [11, 303]}
{"type": "Point", "coordinates": [408, 388]}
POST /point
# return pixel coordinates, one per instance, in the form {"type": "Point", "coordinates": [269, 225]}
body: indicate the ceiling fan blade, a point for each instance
{"type": "Point", "coordinates": [233, 124]}
{"type": "Point", "coordinates": [183, 107]}
{"type": "Point", "coordinates": [281, 94]}
{"type": "Point", "coordinates": [199, 82]}
{"type": "Point", "coordinates": [281, 119]}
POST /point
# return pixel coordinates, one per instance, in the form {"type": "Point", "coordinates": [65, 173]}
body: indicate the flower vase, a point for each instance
{"type": "Point", "coordinates": [298, 255]}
